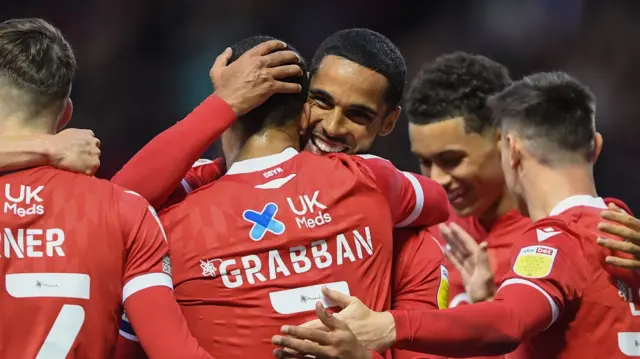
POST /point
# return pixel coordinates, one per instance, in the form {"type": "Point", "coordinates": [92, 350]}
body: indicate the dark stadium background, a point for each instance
{"type": "Point", "coordinates": [144, 63]}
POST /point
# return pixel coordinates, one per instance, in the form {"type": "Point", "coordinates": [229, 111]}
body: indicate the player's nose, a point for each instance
{"type": "Point", "coordinates": [334, 125]}
{"type": "Point", "coordinates": [441, 177]}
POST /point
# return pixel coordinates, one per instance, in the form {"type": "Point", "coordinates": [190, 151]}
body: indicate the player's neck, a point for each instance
{"type": "Point", "coordinates": [270, 142]}
{"type": "Point", "coordinates": [14, 126]}
{"type": "Point", "coordinates": [545, 187]}
{"type": "Point", "coordinates": [505, 204]}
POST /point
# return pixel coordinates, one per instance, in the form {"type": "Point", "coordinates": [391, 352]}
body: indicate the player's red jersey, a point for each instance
{"type": "Point", "coordinates": [252, 250]}
{"type": "Point", "coordinates": [420, 279]}
{"type": "Point", "coordinates": [499, 240]}
{"type": "Point", "coordinates": [559, 299]}
{"type": "Point", "coordinates": [593, 312]}
{"type": "Point", "coordinates": [70, 254]}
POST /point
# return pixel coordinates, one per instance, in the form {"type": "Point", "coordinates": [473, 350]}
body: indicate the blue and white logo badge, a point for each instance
{"type": "Point", "coordinates": [264, 221]}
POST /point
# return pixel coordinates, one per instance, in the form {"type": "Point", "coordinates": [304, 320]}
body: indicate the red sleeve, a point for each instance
{"type": "Point", "coordinates": [128, 346]}
{"type": "Point", "coordinates": [147, 293]}
{"type": "Point", "coordinates": [160, 326]}
{"type": "Point", "coordinates": [169, 155]}
{"type": "Point", "coordinates": [414, 200]}
{"type": "Point", "coordinates": [419, 279]}
{"type": "Point", "coordinates": [543, 279]}
{"type": "Point", "coordinates": [203, 172]}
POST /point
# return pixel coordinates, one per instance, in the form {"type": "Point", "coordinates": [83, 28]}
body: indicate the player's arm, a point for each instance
{"type": "Point", "coordinates": [147, 294]}
{"type": "Point", "coordinates": [168, 157]}
{"type": "Point", "coordinates": [545, 277]}
{"type": "Point", "coordinates": [73, 150]}
{"type": "Point", "coordinates": [420, 281]}
{"type": "Point", "coordinates": [202, 172]}
{"type": "Point", "coordinates": [159, 167]}
{"type": "Point", "coordinates": [414, 200]}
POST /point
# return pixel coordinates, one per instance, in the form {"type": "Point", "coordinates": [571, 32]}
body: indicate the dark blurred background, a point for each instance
{"type": "Point", "coordinates": [144, 63]}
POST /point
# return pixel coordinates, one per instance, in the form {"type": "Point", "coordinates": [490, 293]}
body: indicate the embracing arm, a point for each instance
{"type": "Point", "coordinates": [157, 169]}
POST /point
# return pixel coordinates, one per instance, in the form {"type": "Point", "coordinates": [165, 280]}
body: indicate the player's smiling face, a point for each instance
{"type": "Point", "coordinates": [348, 108]}
{"type": "Point", "coordinates": [466, 164]}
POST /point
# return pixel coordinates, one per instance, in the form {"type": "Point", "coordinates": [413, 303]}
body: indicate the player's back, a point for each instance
{"type": "Point", "coordinates": [62, 259]}
{"type": "Point", "coordinates": [251, 251]}
{"type": "Point", "coordinates": [603, 321]}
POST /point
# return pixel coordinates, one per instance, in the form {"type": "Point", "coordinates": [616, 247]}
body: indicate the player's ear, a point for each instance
{"type": "Point", "coordinates": [597, 147]}
{"type": "Point", "coordinates": [497, 137]}
{"type": "Point", "coordinates": [305, 117]}
{"type": "Point", "coordinates": [515, 150]}
{"type": "Point", "coordinates": [389, 121]}
{"type": "Point", "coordinates": [65, 117]}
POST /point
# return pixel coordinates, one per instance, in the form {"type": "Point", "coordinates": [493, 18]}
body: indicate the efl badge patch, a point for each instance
{"type": "Point", "coordinates": [535, 261]}
{"type": "Point", "coordinates": [443, 289]}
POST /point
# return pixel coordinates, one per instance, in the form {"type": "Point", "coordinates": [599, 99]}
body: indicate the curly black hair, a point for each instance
{"type": "Point", "coordinates": [455, 85]}
{"type": "Point", "coordinates": [369, 49]}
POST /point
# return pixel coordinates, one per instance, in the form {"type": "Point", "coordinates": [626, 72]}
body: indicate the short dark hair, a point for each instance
{"type": "Point", "coordinates": [36, 58]}
{"type": "Point", "coordinates": [279, 109]}
{"type": "Point", "coordinates": [552, 108]}
{"type": "Point", "coordinates": [456, 85]}
{"type": "Point", "coordinates": [369, 49]}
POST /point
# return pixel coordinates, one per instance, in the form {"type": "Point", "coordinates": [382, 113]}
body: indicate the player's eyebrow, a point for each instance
{"type": "Point", "coordinates": [319, 93]}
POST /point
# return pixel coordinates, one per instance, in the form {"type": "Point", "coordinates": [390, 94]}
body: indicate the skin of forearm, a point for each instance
{"type": "Point", "coordinates": [17, 152]}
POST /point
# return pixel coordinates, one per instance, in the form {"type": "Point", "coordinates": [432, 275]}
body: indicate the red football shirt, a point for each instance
{"type": "Point", "coordinates": [72, 249]}
{"type": "Point", "coordinates": [420, 279]}
{"type": "Point", "coordinates": [252, 250]}
{"type": "Point", "coordinates": [499, 240]}
{"type": "Point", "coordinates": [559, 299]}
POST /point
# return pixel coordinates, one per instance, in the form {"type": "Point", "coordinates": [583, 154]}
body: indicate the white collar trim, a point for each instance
{"type": "Point", "coordinates": [577, 201]}
{"type": "Point", "coordinates": [262, 163]}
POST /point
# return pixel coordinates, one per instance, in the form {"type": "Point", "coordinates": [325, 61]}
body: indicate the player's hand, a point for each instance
{"type": "Point", "coordinates": [626, 227]}
{"type": "Point", "coordinates": [470, 260]}
{"type": "Point", "coordinates": [75, 150]}
{"type": "Point", "coordinates": [254, 77]}
{"type": "Point", "coordinates": [338, 342]}
{"type": "Point", "coordinates": [373, 329]}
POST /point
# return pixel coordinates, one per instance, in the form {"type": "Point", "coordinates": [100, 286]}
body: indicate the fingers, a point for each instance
{"type": "Point", "coordinates": [482, 251]}
{"type": "Point", "coordinates": [285, 71]}
{"type": "Point", "coordinates": [281, 58]}
{"type": "Point", "coordinates": [456, 245]}
{"type": "Point", "coordinates": [623, 246]}
{"type": "Point", "coordinates": [314, 335]}
{"type": "Point", "coordinates": [330, 321]}
{"type": "Point", "coordinates": [338, 298]}
{"type": "Point", "coordinates": [468, 241]}
{"type": "Point", "coordinates": [285, 87]}
{"type": "Point", "coordinates": [633, 264]}
{"type": "Point", "coordinates": [612, 206]}
{"type": "Point", "coordinates": [624, 232]}
{"type": "Point", "coordinates": [284, 353]}
{"type": "Point", "coordinates": [456, 263]}
{"type": "Point", "coordinates": [299, 345]}
{"type": "Point", "coordinates": [265, 48]}
{"type": "Point", "coordinates": [223, 59]}
{"type": "Point", "coordinates": [622, 218]}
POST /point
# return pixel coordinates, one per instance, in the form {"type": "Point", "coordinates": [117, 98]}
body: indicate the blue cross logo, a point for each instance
{"type": "Point", "coordinates": [264, 221]}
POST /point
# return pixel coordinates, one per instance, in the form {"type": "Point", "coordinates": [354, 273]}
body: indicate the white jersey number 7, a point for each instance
{"type": "Point", "coordinates": [68, 323]}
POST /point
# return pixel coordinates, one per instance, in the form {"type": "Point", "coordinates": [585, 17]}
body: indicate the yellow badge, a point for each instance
{"type": "Point", "coordinates": [535, 261]}
{"type": "Point", "coordinates": [443, 289]}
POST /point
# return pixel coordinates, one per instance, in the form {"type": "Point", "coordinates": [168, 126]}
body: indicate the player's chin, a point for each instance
{"type": "Point", "coordinates": [466, 208]}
